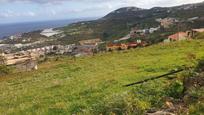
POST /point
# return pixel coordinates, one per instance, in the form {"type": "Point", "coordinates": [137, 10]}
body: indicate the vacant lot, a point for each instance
{"type": "Point", "coordinates": [90, 84]}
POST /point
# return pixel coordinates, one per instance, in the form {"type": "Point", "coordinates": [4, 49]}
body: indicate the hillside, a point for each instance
{"type": "Point", "coordinates": [93, 85]}
{"type": "Point", "coordinates": [118, 23]}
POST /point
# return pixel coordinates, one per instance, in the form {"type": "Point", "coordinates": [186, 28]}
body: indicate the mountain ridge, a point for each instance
{"type": "Point", "coordinates": [119, 22]}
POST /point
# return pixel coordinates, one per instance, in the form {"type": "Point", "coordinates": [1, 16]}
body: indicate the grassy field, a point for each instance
{"type": "Point", "coordinates": [93, 85]}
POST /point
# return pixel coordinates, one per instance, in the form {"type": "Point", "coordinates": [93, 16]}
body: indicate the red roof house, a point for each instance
{"type": "Point", "coordinates": [178, 36]}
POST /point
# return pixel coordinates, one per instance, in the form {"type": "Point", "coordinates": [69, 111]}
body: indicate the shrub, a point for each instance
{"type": "Point", "coordinates": [175, 89]}
{"type": "Point", "coordinates": [152, 92]}
{"type": "Point", "coordinates": [196, 109]}
{"type": "Point", "coordinates": [124, 104]}
{"type": "Point", "coordinates": [191, 57]}
{"type": "Point", "coordinates": [4, 70]}
{"type": "Point", "coordinates": [135, 102]}
{"type": "Point", "coordinates": [200, 66]}
{"type": "Point", "coordinates": [102, 47]}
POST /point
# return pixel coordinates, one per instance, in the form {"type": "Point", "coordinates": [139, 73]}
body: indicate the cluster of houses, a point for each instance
{"type": "Point", "coordinates": [167, 22]}
{"type": "Point", "coordinates": [134, 33]}
{"type": "Point", "coordinates": [16, 36]}
{"type": "Point", "coordinates": [139, 33]}
{"type": "Point", "coordinates": [125, 46]}
{"type": "Point", "coordinates": [184, 35]}
{"type": "Point", "coordinates": [27, 60]}
{"type": "Point", "coordinates": [23, 61]}
{"type": "Point", "coordinates": [53, 49]}
{"type": "Point", "coordinates": [86, 47]}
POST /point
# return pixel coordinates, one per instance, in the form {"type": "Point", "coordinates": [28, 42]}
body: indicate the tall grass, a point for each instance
{"type": "Point", "coordinates": [93, 85]}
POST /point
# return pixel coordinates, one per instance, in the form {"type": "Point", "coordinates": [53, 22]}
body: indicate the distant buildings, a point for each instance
{"type": "Point", "coordinates": [192, 33]}
{"type": "Point", "coordinates": [83, 50]}
{"type": "Point", "coordinates": [198, 30]}
{"type": "Point", "coordinates": [135, 33]}
{"type": "Point", "coordinates": [184, 35]}
{"type": "Point", "coordinates": [117, 46]}
{"type": "Point", "coordinates": [23, 61]}
{"type": "Point", "coordinates": [53, 49]}
{"type": "Point", "coordinates": [86, 47]}
{"type": "Point", "coordinates": [125, 38]}
{"type": "Point", "coordinates": [152, 30]}
{"type": "Point", "coordinates": [167, 22]}
{"type": "Point", "coordinates": [16, 36]}
{"type": "Point", "coordinates": [178, 36]}
{"type": "Point", "coordinates": [27, 60]}
{"type": "Point", "coordinates": [193, 18]}
{"type": "Point", "coordinates": [90, 42]}
{"type": "Point", "coordinates": [124, 46]}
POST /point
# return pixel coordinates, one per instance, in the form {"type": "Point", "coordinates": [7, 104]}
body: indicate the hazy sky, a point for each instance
{"type": "Point", "coordinates": [37, 10]}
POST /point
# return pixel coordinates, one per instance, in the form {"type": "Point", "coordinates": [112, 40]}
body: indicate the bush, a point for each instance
{"type": "Point", "coordinates": [200, 66]}
{"type": "Point", "coordinates": [4, 70]}
{"type": "Point", "coordinates": [196, 109]}
{"type": "Point", "coordinates": [124, 104]}
{"type": "Point", "coordinates": [102, 47]}
{"type": "Point", "coordinates": [135, 102]}
{"type": "Point", "coordinates": [152, 92]}
{"type": "Point", "coordinates": [175, 89]}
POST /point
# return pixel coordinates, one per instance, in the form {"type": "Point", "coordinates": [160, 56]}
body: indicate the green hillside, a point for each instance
{"type": "Point", "coordinates": [93, 85]}
{"type": "Point", "coordinates": [118, 23]}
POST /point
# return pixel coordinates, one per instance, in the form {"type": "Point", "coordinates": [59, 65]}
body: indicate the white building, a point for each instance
{"type": "Point", "coordinates": [152, 30]}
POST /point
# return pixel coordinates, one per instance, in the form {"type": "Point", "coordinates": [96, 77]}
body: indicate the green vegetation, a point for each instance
{"type": "Point", "coordinates": [200, 36]}
{"type": "Point", "coordinates": [4, 70]}
{"type": "Point", "coordinates": [93, 85]}
{"type": "Point", "coordinates": [175, 89]}
{"type": "Point", "coordinates": [118, 23]}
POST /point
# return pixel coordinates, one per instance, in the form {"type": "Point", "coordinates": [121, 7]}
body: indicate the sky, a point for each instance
{"type": "Point", "coordinates": [12, 11]}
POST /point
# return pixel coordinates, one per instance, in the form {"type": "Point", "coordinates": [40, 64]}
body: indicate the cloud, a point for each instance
{"type": "Point", "coordinates": [10, 14]}
{"type": "Point", "coordinates": [35, 1]}
{"type": "Point", "coordinates": [50, 1]}
{"type": "Point", "coordinates": [21, 10]}
{"type": "Point", "coordinates": [138, 3]}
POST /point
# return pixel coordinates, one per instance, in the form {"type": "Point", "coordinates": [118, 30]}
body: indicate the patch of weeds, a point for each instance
{"type": "Point", "coordinates": [55, 85]}
{"type": "Point", "coordinates": [175, 89]}
{"type": "Point", "coordinates": [76, 69]}
{"type": "Point", "coordinates": [200, 66]}
{"type": "Point", "coordinates": [77, 108]}
{"type": "Point", "coordinates": [124, 104]}
{"type": "Point", "coordinates": [108, 83]}
{"type": "Point", "coordinates": [152, 92]}
{"type": "Point", "coordinates": [4, 70]}
{"type": "Point", "coordinates": [150, 69]}
{"type": "Point", "coordinates": [197, 109]}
